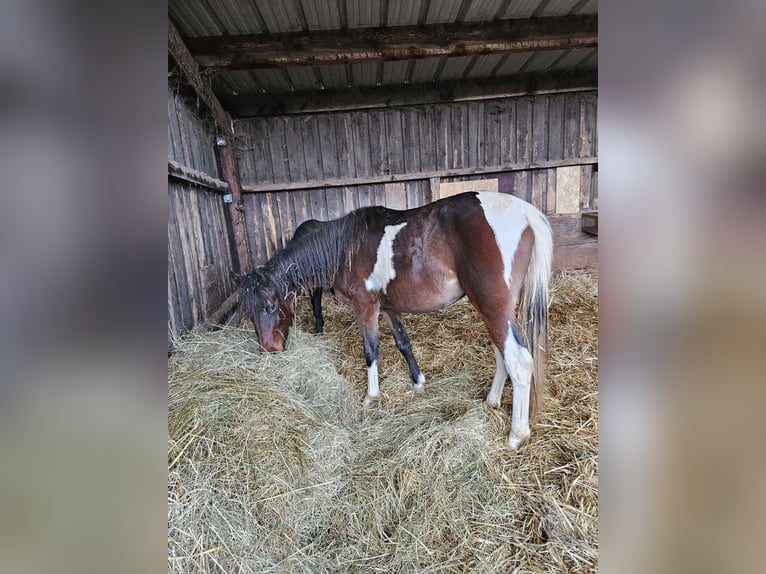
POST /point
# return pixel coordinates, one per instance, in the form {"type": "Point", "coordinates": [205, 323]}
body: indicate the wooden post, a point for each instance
{"type": "Point", "coordinates": [237, 206]}
{"type": "Point", "coordinates": [223, 123]}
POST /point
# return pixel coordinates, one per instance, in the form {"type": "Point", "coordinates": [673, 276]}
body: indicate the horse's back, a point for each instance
{"type": "Point", "coordinates": [419, 260]}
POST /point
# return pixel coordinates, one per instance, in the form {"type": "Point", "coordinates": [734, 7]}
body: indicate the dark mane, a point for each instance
{"type": "Point", "coordinates": [312, 258]}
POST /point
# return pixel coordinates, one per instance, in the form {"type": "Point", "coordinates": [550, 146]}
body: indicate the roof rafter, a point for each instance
{"type": "Point", "coordinates": [395, 43]}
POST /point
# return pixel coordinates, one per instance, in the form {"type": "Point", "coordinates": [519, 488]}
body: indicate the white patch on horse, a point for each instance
{"type": "Point", "coordinates": [518, 362]}
{"type": "Point", "coordinates": [373, 389]}
{"type": "Point", "coordinates": [506, 215]}
{"type": "Point", "coordinates": [383, 272]}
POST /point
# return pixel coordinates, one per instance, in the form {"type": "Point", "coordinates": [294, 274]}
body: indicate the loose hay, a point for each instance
{"type": "Point", "coordinates": [274, 466]}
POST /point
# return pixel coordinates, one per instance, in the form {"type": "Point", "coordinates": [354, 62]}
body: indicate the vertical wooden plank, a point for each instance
{"type": "Point", "coordinates": [539, 182]}
{"type": "Point", "coordinates": [329, 146]}
{"type": "Point", "coordinates": [523, 129]}
{"type": "Point", "coordinates": [540, 128]}
{"type": "Point", "coordinates": [312, 149]}
{"type": "Point", "coordinates": [475, 115]}
{"type": "Point", "coordinates": [427, 144]}
{"type": "Point", "coordinates": [261, 150]}
{"type": "Point", "coordinates": [278, 150]}
{"type": "Point", "coordinates": [585, 187]}
{"type": "Point", "coordinates": [556, 127]}
{"type": "Point", "coordinates": [572, 126]}
{"type": "Point", "coordinates": [365, 195]}
{"type": "Point", "coordinates": [302, 205]}
{"type": "Point", "coordinates": [443, 136]}
{"type": "Point", "coordinates": [270, 222]}
{"type": "Point", "coordinates": [588, 125]}
{"type": "Point", "coordinates": [522, 185]}
{"type": "Point", "coordinates": [493, 143]}
{"type": "Point", "coordinates": [350, 198]}
{"type": "Point", "coordinates": [361, 135]}
{"type": "Point", "coordinates": [182, 139]}
{"type": "Point", "coordinates": [594, 188]}
{"type": "Point", "coordinates": [296, 161]}
{"type": "Point", "coordinates": [395, 195]}
{"type": "Point", "coordinates": [433, 187]}
{"type": "Point", "coordinates": [550, 201]}
{"type": "Point", "coordinates": [245, 155]}
{"type": "Point", "coordinates": [345, 139]}
{"type": "Point", "coordinates": [394, 152]}
{"type": "Point", "coordinates": [508, 132]}
{"type": "Point", "coordinates": [318, 202]}
{"type": "Point", "coordinates": [256, 229]}
{"type": "Point", "coordinates": [459, 136]}
{"type": "Point", "coordinates": [286, 212]}
{"type": "Point", "coordinates": [334, 196]}
{"type": "Point", "coordinates": [174, 137]}
{"type": "Point", "coordinates": [411, 143]}
{"type": "Point", "coordinates": [378, 143]}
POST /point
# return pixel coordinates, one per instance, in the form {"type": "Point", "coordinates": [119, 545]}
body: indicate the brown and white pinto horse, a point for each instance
{"type": "Point", "coordinates": [494, 248]}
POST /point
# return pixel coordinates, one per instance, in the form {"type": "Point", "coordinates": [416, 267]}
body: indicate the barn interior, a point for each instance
{"type": "Point", "coordinates": [279, 112]}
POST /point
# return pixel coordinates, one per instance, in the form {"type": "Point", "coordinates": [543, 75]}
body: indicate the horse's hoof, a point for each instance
{"type": "Point", "coordinates": [515, 442]}
{"type": "Point", "coordinates": [368, 400]}
{"type": "Point", "coordinates": [420, 385]}
{"type": "Point", "coordinates": [492, 404]}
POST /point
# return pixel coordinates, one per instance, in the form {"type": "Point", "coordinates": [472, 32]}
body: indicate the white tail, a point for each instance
{"type": "Point", "coordinates": [534, 303]}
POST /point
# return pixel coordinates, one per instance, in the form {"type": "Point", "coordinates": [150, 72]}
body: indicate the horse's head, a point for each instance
{"type": "Point", "coordinates": [270, 310]}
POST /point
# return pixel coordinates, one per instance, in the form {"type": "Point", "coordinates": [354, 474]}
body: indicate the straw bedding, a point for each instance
{"type": "Point", "coordinates": [275, 466]}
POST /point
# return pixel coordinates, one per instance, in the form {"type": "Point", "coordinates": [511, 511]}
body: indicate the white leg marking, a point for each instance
{"type": "Point", "coordinates": [383, 272]}
{"type": "Point", "coordinates": [372, 383]}
{"type": "Point", "coordinates": [495, 394]}
{"type": "Point", "coordinates": [420, 385]}
{"type": "Point", "coordinates": [518, 361]}
{"type": "Point", "coordinates": [505, 214]}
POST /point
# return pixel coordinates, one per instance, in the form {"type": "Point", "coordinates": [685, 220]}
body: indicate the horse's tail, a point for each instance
{"type": "Point", "coordinates": [534, 304]}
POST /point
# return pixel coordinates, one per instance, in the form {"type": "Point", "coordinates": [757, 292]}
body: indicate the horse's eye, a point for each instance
{"type": "Point", "coordinates": [270, 307]}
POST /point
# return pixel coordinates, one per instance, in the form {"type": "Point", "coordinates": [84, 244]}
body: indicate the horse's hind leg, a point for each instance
{"type": "Point", "coordinates": [316, 304]}
{"type": "Point", "coordinates": [404, 345]}
{"type": "Point", "coordinates": [495, 394]}
{"type": "Point", "coordinates": [518, 361]}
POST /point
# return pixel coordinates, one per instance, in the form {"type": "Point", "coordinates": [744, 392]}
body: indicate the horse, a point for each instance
{"type": "Point", "coordinates": [493, 248]}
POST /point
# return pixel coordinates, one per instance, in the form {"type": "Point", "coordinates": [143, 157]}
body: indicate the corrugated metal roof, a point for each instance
{"type": "Point", "coordinates": [197, 18]}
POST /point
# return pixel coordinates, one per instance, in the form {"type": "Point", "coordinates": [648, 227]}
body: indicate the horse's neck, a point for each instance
{"type": "Point", "coordinates": [307, 264]}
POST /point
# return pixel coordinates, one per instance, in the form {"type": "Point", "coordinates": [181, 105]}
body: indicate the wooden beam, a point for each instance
{"type": "Point", "coordinates": [409, 95]}
{"type": "Point", "coordinates": [189, 175]}
{"type": "Point", "coordinates": [359, 45]}
{"type": "Point", "coordinates": [190, 70]}
{"type": "Point", "coordinates": [413, 176]}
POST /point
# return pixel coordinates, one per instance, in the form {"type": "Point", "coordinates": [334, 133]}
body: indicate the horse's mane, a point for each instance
{"type": "Point", "coordinates": [312, 259]}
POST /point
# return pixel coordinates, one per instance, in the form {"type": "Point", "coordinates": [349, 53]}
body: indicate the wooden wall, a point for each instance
{"type": "Point", "coordinates": [199, 253]}
{"type": "Point", "coordinates": [542, 148]}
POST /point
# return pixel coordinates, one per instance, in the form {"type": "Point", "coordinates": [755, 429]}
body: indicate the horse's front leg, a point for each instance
{"type": "Point", "coordinates": [368, 324]}
{"type": "Point", "coordinates": [316, 304]}
{"type": "Point", "coordinates": [404, 345]}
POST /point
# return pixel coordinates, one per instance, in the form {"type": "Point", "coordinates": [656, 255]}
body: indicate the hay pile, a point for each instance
{"type": "Point", "coordinates": [276, 467]}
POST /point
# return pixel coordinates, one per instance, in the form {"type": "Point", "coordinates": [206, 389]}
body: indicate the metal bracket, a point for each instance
{"type": "Point", "coordinates": [228, 198]}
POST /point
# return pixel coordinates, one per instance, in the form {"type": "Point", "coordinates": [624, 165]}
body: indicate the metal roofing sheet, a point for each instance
{"type": "Point", "coordinates": [482, 11]}
{"type": "Point", "coordinates": [424, 71]}
{"type": "Point", "coordinates": [557, 8]}
{"type": "Point", "coordinates": [364, 74]}
{"type": "Point", "coordinates": [455, 67]}
{"type": "Point", "coordinates": [573, 58]}
{"type": "Point", "coordinates": [541, 61]}
{"type": "Point", "coordinates": [520, 8]}
{"type": "Point", "coordinates": [395, 72]}
{"type": "Point", "coordinates": [403, 12]}
{"type": "Point", "coordinates": [442, 11]}
{"type": "Point", "coordinates": [334, 77]}
{"type": "Point", "coordinates": [283, 16]}
{"type": "Point", "coordinates": [321, 14]}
